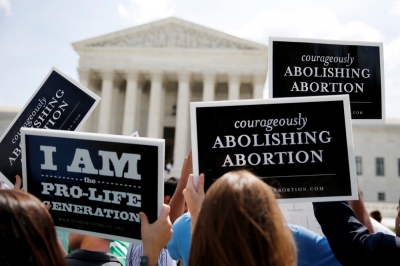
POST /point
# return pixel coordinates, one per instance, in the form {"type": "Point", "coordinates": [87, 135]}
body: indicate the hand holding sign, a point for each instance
{"type": "Point", "coordinates": [155, 236]}
{"type": "Point", "coordinates": [194, 197]}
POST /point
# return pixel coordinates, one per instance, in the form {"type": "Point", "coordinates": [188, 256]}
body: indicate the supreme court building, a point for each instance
{"type": "Point", "coordinates": [147, 76]}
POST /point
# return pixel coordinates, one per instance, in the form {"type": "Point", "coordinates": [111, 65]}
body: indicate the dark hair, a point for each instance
{"type": "Point", "coordinates": [170, 186]}
{"type": "Point", "coordinates": [27, 233]}
{"type": "Point", "coordinates": [376, 215]}
{"type": "Point", "coordinates": [240, 223]}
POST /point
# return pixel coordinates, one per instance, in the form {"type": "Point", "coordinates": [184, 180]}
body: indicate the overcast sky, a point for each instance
{"type": "Point", "coordinates": [35, 35]}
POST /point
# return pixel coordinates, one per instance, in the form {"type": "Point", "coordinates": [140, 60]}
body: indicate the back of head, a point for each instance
{"type": "Point", "coordinates": [27, 233]}
{"type": "Point", "coordinates": [376, 215]}
{"type": "Point", "coordinates": [169, 188]}
{"type": "Point", "coordinates": [240, 223]}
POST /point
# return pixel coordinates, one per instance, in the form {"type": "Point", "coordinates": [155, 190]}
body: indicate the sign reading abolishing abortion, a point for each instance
{"type": "Point", "coordinates": [302, 147]}
{"type": "Point", "coordinates": [96, 184]}
{"type": "Point", "coordinates": [306, 67]}
{"type": "Point", "coordinates": [59, 103]}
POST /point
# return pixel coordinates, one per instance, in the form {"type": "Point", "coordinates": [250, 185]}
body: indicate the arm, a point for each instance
{"type": "Point", "coordinates": [361, 212]}
{"type": "Point", "coordinates": [177, 202]}
{"type": "Point", "coordinates": [155, 236]}
{"type": "Point", "coordinates": [350, 240]}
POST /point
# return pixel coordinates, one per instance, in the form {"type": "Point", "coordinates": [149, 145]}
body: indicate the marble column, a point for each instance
{"type": "Point", "coordinates": [258, 86]}
{"type": "Point", "coordinates": [208, 86]}
{"type": "Point", "coordinates": [155, 113]}
{"type": "Point", "coordinates": [131, 93]}
{"type": "Point", "coordinates": [233, 87]}
{"type": "Point", "coordinates": [84, 79]}
{"type": "Point", "coordinates": [106, 101]}
{"type": "Point", "coordinates": [182, 120]}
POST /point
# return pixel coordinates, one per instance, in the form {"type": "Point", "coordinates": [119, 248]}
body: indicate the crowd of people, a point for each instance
{"type": "Point", "coordinates": [236, 222]}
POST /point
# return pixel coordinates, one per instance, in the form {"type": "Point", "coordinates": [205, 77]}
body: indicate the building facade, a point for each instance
{"type": "Point", "coordinates": [147, 76]}
{"type": "Point", "coordinates": [377, 152]}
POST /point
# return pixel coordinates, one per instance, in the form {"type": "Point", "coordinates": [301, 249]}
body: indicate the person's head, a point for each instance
{"type": "Point", "coordinates": [397, 225]}
{"type": "Point", "coordinates": [376, 215]}
{"type": "Point", "coordinates": [169, 188]}
{"type": "Point", "coordinates": [27, 233]}
{"type": "Point", "coordinates": [240, 223]}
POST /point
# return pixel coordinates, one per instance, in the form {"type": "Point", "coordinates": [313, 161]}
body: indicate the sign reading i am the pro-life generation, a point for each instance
{"type": "Point", "coordinates": [59, 103]}
{"type": "Point", "coordinates": [302, 147]}
{"type": "Point", "coordinates": [308, 67]}
{"type": "Point", "coordinates": [96, 184]}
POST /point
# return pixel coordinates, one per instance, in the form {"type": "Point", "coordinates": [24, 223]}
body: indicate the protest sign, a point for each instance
{"type": "Point", "coordinates": [308, 67]}
{"type": "Point", "coordinates": [303, 147]}
{"type": "Point", "coordinates": [96, 184]}
{"type": "Point", "coordinates": [59, 103]}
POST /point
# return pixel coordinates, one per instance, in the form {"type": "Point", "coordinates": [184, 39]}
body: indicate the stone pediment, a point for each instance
{"type": "Point", "coordinates": [171, 33]}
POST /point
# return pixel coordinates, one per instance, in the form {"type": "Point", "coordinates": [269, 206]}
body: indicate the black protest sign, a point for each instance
{"type": "Point", "coordinates": [302, 147]}
{"type": "Point", "coordinates": [96, 184]}
{"type": "Point", "coordinates": [302, 67]}
{"type": "Point", "coordinates": [59, 103]}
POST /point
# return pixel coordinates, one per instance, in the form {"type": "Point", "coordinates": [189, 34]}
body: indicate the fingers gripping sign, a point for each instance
{"type": "Point", "coordinates": [155, 236]}
{"type": "Point", "coordinates": [194, 197]}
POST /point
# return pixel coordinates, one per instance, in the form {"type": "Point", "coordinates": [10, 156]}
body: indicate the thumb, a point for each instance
{"type": "Point", "coordinates": [200, 184]}
{"type": "Point", "coordinates": [18, 183]}
{"type": "Point", "coordinates": [164, 212]}
{"type": "Point", "coordinates": [190, 182]}
{"type": "Point", "coordinates": [143, 219]}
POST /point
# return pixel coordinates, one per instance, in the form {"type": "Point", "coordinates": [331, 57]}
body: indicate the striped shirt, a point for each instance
{"type": "Point", "coordinates": [136, 251]}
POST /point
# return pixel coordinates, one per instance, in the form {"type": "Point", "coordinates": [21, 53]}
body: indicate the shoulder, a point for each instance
{"type": "Point", "coordinates": [378, 227]}
{"type": "Point", "coordinates": [181, 237]}
{"type": "Point", "coordinates": [302, 234]}
{"type": "Point", "coordinates": [183, 223]}
{"type": "Point", "coordinates": [313, 249]}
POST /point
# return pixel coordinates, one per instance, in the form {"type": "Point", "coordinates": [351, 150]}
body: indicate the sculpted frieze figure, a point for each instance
{"type": "Point", "coordinates": [173, 36]}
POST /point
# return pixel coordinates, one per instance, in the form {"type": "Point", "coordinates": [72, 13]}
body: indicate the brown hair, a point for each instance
{"type": "Point", "coordinates": [27, 233]}
{"type": "Point", "coordinates": [240, 223]}
{"type": "Point", "coordinates": [376, 215]}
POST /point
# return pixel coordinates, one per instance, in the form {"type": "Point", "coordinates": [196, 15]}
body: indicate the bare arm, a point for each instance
{"type": "Point", "coordinates": [361, 212]}
{"type": "Point", "coordinates": [177, 202]}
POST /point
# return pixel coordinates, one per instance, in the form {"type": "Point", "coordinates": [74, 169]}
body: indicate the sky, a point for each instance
{"type": "Point", "coordinates": [36, 35]}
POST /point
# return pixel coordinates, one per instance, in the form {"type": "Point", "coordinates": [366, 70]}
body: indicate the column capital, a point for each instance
{"type": "Point", "coordinates": [156, 75]}
{"type": "Point", "coordinates": [209, 76]}
{"type": "Point", "coordinates": [107, 73]}
{"type": "Point", "coordinates": [234, 77]}
{"type": "Point", "coordinates": [84, 73]}
{"type": "Point", "coordinates": [259, 78]}
{"type": "Point", "coordinates": [184, 76]}
{"type": "Point", "coordinates": [132, 75]}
